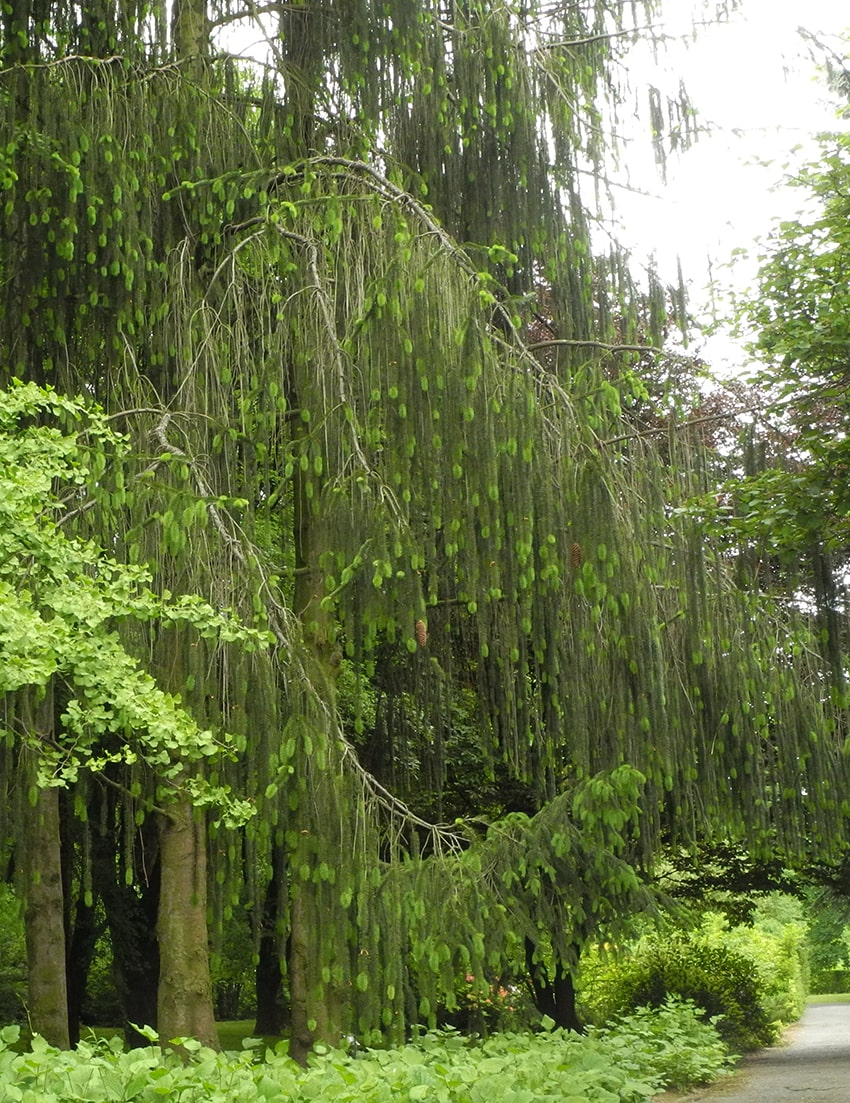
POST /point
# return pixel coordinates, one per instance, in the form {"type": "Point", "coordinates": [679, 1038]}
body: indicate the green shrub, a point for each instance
{"type": "Point", "coordinates": [675, 1041]}
{"type": "Point", "coordinates": [724, 984]}
{"type": "Point", "coordinates": [827, 981]}
{"type": "Point", "coordinates": [487, 1006]}
{"type": "Point", "coordinates": [775, 942]}
{"type": "Point", "coordinates": [828, 930]}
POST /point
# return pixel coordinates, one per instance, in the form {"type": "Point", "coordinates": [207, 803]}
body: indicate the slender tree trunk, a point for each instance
{"type": "Point", "coordinates": [44, 911]}
{"type": "Point", "coordinates": [317, 1007]}
{"type": "Point", "coordinates": [81, 947]}
{"type": "Point", "coordinates": [184, 999]}
{"type": "Point", "coordinates": [303, 1026]}
{"type": "Point", "coordinates": [271, 1012]}
{"type": "Point", "coordinates": [190, 30]}
{"type": "Point", "coordinates": [131, 914]}
{"type": "Point", "coordinates": [44, 917]}
{"type": "Point", "coordinates": [829, 621]}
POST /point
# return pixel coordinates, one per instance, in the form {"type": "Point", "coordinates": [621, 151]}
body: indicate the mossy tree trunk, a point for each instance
{"type": "Point", "coordinates": [45, 929]}
{"type": "Point", "coordinates": [317, 1004]}
{"type": "Point", "coordinates": [184, 999]}
{"type": "Point", "coordinates": [44, 911]}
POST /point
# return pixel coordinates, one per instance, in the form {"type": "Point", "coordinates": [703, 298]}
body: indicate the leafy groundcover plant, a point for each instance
{"type": "Point", "coordinates": [629, 1063]}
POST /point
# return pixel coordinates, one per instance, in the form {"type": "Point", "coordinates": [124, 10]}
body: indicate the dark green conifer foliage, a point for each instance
{"type": "Point", "coordinates": [304, 292]}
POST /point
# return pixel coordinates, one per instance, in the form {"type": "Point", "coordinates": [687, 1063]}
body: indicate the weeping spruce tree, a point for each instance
{"type": "Point", "coordinates": [305, 290]}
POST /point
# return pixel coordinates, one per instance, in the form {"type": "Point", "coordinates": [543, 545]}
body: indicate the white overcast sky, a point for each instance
{"type": "Point", "coordinates": [754, 80]}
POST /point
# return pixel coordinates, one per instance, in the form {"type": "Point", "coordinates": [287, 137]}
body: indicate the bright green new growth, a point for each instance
{"type": "Point", "coordinates": [61, 599]}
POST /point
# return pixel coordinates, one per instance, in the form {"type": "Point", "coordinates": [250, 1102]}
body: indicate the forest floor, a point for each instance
{"type": "Point", "coordinates": [812, 1062]}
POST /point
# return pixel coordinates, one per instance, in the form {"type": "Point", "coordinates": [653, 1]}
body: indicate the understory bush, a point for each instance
{"type": "Point", "coordinates": [826, 981]}
{"type": "Point", "coordinates": [828, 916]}
{"type": "Point", "coordinates": [627, 1063]}
{"type": "Point", "coordinates": [486, 1007]}
{"type": "Point", "coordinates": [722, 983]}
{"type": "Point", "coordinates": [776, 944]}
{"type": "Point", "coordinates": [102, 1004]}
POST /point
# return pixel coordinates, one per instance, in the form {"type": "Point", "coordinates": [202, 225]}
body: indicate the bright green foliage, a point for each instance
{"type": "Point", "coordinates": [789, 513]}
{"type": "Point", "coordinates": [828, 941]}
{"type": "Point", "coordinates": [775, 943]}
{"type": "Point", "coordinates": [801, 313]}
{"type": "Point", "coordinates": [627, 1064]}
{"type": "Point", "coordinates": [721, 982]}
{"type": "Point", "coordinates": [60, 597]}
{"type": "Point", "coordinates": [675, 1040]}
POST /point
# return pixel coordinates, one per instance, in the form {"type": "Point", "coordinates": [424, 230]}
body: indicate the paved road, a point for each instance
{"type": "Point", "coordinates": [811, 1066]}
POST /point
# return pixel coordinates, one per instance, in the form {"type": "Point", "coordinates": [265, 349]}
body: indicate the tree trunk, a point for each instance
{"type": "Point", "coordinates": [316, 1006]}
{"type": "Point", "coordinates": [184, 998]}
{"type": "Point", "coordinates": [190, 30]}
{"type": "Point", "coordinates": [44, 912]}
{"type": "Point", "coordinates": [80, 953]}
{"type": "Point", "coordinates": [131, 914]}
{"type": "Point", "coordinates": [44, 917]}
{"type": "Point", "coordinates": [556, 997]}
{"type": "Point", "coordinates": [271, 1011]}
{"type": "Point", "coordinates": [303, 1027]}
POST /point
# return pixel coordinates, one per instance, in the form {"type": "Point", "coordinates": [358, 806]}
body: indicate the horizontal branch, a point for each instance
{"type": "Point", "coordinates": [690, 423]}
{"type": "Point", "coordinates": [251, 11]}
{"type": "Point", "coordinates": [581, 343]}
{"type": "Point", "coordinates": [602, 37]}
{"type": "Point", "coordinates": [54, 62]}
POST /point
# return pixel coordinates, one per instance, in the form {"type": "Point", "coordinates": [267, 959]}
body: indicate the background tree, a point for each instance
{"type": "Point", "coordinates": [790, 512]}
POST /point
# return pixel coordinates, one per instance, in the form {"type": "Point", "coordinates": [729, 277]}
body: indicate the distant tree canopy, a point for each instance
{"type": "Point", "coordinates": [381, 401]}
{"type": "Point", "coordinates": [789, 513]}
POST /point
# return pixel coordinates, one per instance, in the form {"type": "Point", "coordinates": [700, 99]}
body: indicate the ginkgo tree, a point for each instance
{"type": "Point", "coordinates": [76, 700]}
{"type": "Point", "coordinates": [306, 291]}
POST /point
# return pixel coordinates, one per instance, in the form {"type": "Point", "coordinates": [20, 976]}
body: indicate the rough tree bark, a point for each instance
{"type": "Point", "coordinates": [184, 997]}
{"type": "Point", "coordinates": [44, 911]}
{"type": "Point", "coordinates": [316, 1006]}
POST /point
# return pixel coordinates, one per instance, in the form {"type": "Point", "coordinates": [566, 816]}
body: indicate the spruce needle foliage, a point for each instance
{"type": "Point", "coordinates": [305, 291]}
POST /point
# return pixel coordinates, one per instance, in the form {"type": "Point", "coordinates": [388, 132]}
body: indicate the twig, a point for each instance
{"type": "Point", "coordinates": [678, 425]}
{"type": "Point", "coordinates": [201, 485]}
{"type": "Point", "coordinates": [440, 833]}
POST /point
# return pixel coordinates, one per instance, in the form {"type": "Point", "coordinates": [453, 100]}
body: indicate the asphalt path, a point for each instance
{"type": "Point", "coordinates": [810, 1065]}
